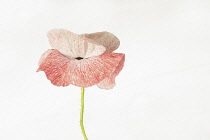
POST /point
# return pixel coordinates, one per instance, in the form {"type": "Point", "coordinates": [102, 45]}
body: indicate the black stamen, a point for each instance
{"type": "Point", "coordinates": [78, 58]}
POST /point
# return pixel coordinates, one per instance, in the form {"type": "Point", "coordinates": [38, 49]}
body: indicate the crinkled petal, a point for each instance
{"type": "Point", "coordinates": [108, 40]}
{"type": "Point", "coordinates": [109, 82]}
{"type": "Point", "coordinates": [63, 71]}
{"type": "Point", "coordinates": [73, 45]}
{"type": "Point", "coordinates": [44, 55]}
{"type": "Point", "coordinates": [54, 64]}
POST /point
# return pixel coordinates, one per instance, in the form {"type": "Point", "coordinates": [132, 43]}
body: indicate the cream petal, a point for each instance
{"type": "Point", "coordinates": [108, 40]}
{"type": "Point", "coordinates": [73, 45]}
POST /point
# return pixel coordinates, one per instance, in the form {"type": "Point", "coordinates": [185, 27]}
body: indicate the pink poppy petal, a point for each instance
{"type": "Point", "coordinates": [73, 45]}
{"type": "Point", "coordinates": [108, 40]}
{"type": "Point", "coordinates": [54, 64]}
{"type": "Point", "coordinates": [63, 71]}
{"type": "Point", "coordinates": [44, 55]}
{"type": "Point", "coordinates": [109, 82]}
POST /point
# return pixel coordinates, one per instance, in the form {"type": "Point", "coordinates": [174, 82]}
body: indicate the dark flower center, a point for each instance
{"type": "Point", "coordinates": [78, 58]}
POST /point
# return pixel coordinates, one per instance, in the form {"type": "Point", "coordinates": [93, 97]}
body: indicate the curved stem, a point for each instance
{"type": "Point", "coordinates": [82, 114]}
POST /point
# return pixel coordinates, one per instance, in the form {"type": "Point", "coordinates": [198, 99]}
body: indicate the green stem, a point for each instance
{"type": "Point", "coordinates": [82, 114]}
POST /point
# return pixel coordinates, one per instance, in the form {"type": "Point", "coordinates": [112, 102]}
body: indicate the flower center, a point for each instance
{"type": "Point", "coordinates": [78, 58]}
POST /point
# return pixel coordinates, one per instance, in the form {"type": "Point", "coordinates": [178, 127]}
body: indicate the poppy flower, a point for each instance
{"type": "Point", "coordinates": [82, 60]}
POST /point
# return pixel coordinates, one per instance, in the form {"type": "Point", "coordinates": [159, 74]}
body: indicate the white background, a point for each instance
{"type": "Point", "coordinates": [163, 92]}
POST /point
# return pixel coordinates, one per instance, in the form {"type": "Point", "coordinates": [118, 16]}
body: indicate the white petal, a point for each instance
{"type": "Point", "coordinates": [73, 45]}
